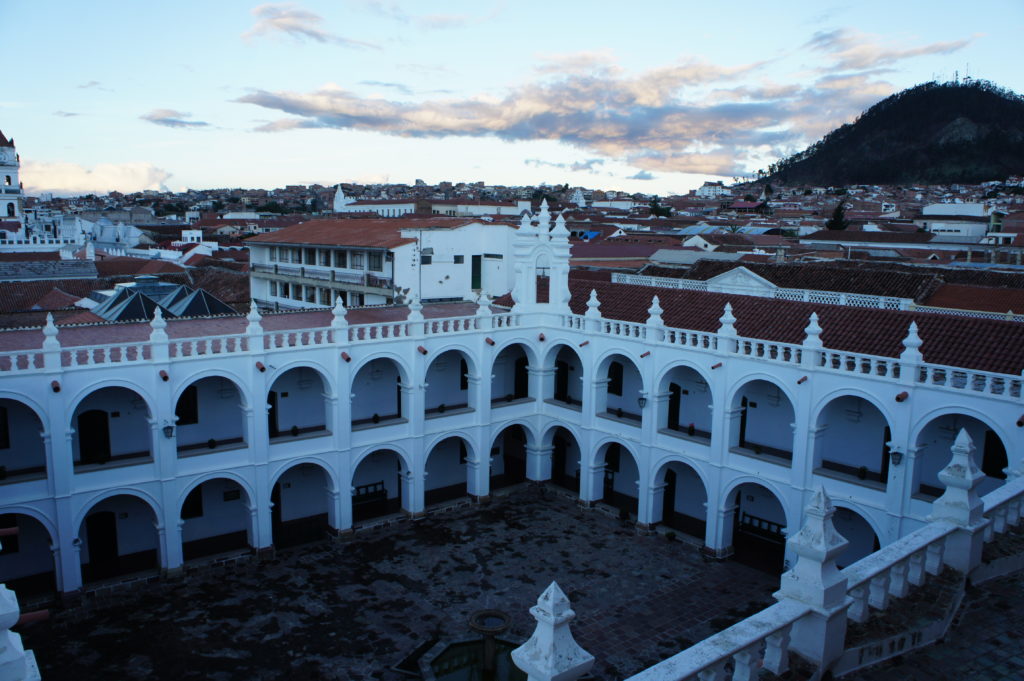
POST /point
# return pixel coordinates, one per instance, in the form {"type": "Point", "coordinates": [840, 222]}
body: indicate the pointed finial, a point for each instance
{"type": "Point", "coordinates": [483, 305]}
{"type": "Point", "coordinates": [654, 313]}
{"type": "Point", "coordinates": [911, 345]}
{"type": "Point", "coordinates": [560, 231]}
{"type": "Point", "coordinates": [253, 328]}
{"type": "Point", "coordinates": [814, 578]}
{"type": "Point", "coordinates": [415, 309]}
{"type": "Point", "coordinates": [339, 312]}
{"type": "Point", "coordinates": [526, 223]}
{"type": "Point", "coordinates": [158, 321]}
{"type": "Point", "coordinates": [593, 305]}
{"type": "Point", "coordinates": [727, 320]}
{"type": "Point", "coordinates": [960, 502]}
{"type": "Point", "coordinates": [544, 219]}
{"type": "Point", "coordinates": [552, 653]}
{"type": "Point", "coordinates": [50, 332]}
{"type": "Point", "coordinates": [813, 331]}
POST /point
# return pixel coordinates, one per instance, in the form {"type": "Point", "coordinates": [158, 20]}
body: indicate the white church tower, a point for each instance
{"type": "Point", "coordinates": [340, 200]}
{"type": "Point", "coordinates": [11, 199]}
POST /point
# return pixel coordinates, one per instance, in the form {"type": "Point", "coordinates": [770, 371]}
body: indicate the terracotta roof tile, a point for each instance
{"type": "Point", "coordinates": [369, 233]}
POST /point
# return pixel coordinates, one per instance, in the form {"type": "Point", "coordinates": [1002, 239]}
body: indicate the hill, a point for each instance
{"type": "Point", "coordinates": [934, 133]}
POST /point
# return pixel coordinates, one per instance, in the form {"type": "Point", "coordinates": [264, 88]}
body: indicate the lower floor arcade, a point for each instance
{"type": "Point", "coordinates": [138, 531]}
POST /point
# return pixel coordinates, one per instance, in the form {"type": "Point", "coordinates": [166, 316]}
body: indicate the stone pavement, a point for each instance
{"type": "Point", "coordinates": [352, 609]}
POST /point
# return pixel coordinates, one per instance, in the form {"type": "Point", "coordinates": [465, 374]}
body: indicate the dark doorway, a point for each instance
{"type": "Point", "coordinates": [476, 273]}
{"type": "Point", "coordinates": [993, 459]}
{"type": "Point", "coordinates": [759, 543]}
{"type": "Point", "coordinates": [675, 398]}
{"type": "Point", "coordinates": [561, 381]}
{"type": "Point", "coordinates": [93, 436]}
{"type": "Point", "coordinates": [743, 422]}
{"type": "Point", "coordinates": [272, 413]}
{"type": "Point", "coordinates": [101, 528]}
{"type": "Point", "coordinates": [668, 501]}
{"type": "Point", "coordinates": [521, 385]}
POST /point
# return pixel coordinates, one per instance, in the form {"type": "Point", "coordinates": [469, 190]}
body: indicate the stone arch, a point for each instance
{"type": "Point", "coordinates": [378, 486]}
{"type": "Point", "coordinates": [687, 408]}
{"type": "Point", "coordinates": [22, 441]}
{"type": "Point", "coordinates": [295, 407]}
{"type": "Point", "coordinates": [446, 467]}
{"type": "Point", "coordinates": [566, 455]}
{"type": "Point", "coordinates": [757, 525]}
{"type": "Point", "coordinates": [859, 529]}
{"type": "Point", "coordinates": [620, 384]}
{"type": "Point", "coordinates": [851, 438]}
{"type": "Point", "coordinates": [27, 560]}
{"type": "Point", "coordinates": [118, 534]}
{"type": "Point", "coordinates": [130, 438]}
{"type": "Point", "coordinates": [761, 418]}
{"type": "Point", "coordinates": [210, 413]}
{"type": "Point", "coordinates": [564, 382]}
{"type": "Point", "coordinates": [508, 455]}
{"type": "Point", "coordinates": [377, 389]}
{"type": "Point", "coordinates": [510, 373]}
{"type": "Point", "coordinates": [680, 498]}
{"type": "Point", "coordinates": [301, 501]}
{"type": "Point", "coordinates": [933, 439]}
{"type": "Point", "coordinates": [216, 514]}
{"type": "Point", "coordinates": [616, 470]}
{"type": "Point", "coordinates": [448, 378]}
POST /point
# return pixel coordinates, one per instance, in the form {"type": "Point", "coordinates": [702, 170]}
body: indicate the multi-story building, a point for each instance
{"type": "Point", "coordinates": [379, 261]}
{"type": "Point", "coordinates": [11, 199]}
{"type": "Point", "coordinates": [134, 447]}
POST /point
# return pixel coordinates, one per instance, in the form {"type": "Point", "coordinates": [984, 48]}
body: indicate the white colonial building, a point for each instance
{"type": "Point", "coordinates": [380, 261]}
{"type": "Point", "coordinates": [129, 449]}
{"type": "Point", "coordinates": [11, 198]}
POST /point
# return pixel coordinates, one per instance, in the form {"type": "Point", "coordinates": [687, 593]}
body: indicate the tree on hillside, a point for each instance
{"type": "Point", "coordinates": [838, 220]}
{"type": "Point", "coordinates": [658, 210]}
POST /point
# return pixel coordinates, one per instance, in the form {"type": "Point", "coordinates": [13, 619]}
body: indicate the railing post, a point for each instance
{"type": "Point", "coordinates": [51, 346]}
{"type": "Point", "coordinates": [961, 505]}
{"type": "Point", "coordinates": [816, 581]}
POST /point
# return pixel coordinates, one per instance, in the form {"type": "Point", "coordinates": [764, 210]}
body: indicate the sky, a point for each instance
{"type": "Point", "coordinates": [642, 96]}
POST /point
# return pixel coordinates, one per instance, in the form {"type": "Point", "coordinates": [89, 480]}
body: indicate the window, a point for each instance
{"type": "Point", "coordinates": [272, 254]}
{"type": "Point", "coordinates": [494, 256]}
{"type": "Point", "coordinates": [193, 506]}
{"type": "Point", "coordinates": [459, 259]}
{"type": "Point", "coordinates": [285, 289]}
{"type": "Point", "coordinates": [341, 258]}
{"type": "Point", "coordinates": [376, 261]}
{"type": "Point", "coordinates": [311, 294]}
{"type": "Point", "coordinates": [426, 259]}
{"type": "Point", "coordinates": [615, 379]}
{"type": "Point", "coordinates": [325, 296]}
{"type": "Point", "coordinates": [325, 257]}
{"type": "Point", "coordinates": [310, 256]}
{"type": "Point", "coordinates": [187, 410]}
{"type": "Point", "coordinates": [356, 260]}
{"type": "Point", "coordinates": [10, 210]}
{"type": "Point", "coordinates": [297, 292]}
{"type": "Point", "coordinates": [273, 288]}
{"type": "Point", "coordinates": [7, 180]}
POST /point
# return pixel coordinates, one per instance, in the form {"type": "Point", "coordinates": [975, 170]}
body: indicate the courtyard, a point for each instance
{"type": "Point", "coordinates": [352, 609]}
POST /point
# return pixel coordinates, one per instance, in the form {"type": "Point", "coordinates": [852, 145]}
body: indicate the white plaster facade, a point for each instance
{"type": "Point", "coordinates": [283, 427]}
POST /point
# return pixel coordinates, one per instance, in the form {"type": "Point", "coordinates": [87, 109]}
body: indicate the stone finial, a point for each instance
{"type": "Point", "coordinates": [50, 332]}
{"type": "Point", "coordinates": [552, 654]}
{"type": "Point", "coordinates": [654, 313]}
{"type": "Point", "coordinates": [960, 503]}
{"type": "Point", "coordinates": [159, 325]}
{"type": "Point", "coordinates": [560, 231]}
{"type": "Point", "coordinates": [727, 321]}
{"type": "Point", "coordinates": [15, 661]}
{"type": "Point", "coordinates": [813, 331]}
{"type": "Point", "coordinates": [254, 317]}
{"type": "Point", "coordinates": [544, 218]}
{"type": "Point", "coordinates": [593, 305]}
{"type": "Point", "coordinates": [483, 305]}
{"type": "Point", "coordinates": [415, 309]}
{"type": "Point", "coordinates": [526, 223]}
{"type": "Point", "coordinates": [912, 346]}
{"type": "Point", "coordinates": [815, 579]}
{"type": "Point", "coordinates": [340, 314]}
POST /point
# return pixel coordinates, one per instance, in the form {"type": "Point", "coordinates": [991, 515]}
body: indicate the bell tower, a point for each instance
{"type": "Point", "coordinates": [10, 186]}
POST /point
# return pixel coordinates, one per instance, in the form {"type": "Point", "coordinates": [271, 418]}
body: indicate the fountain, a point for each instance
{"type": "Point", "coordinates": [487, 658]}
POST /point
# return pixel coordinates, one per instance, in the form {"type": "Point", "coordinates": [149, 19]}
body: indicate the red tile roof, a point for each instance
{"type": "Point", "coordinates": [869, 237]}
{"type": "Point", "coordinates": [368, 233]}
{"type": "Point", "coordinates": [984, 298]}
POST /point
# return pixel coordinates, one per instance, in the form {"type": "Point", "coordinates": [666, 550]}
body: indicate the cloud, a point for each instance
{"type": "Point", "coordinates": [394, 11]}
{"type": "Point", "coordinates": [288, 18]}
{"type": "Point", "coordinates": [602, 61]}
{"type": "Point", "coordinates": [94, 85]}
{"type": "Point", "coordinates": [588, 166]}
{"type": "Point", "coordinates": [170, 118]}
{"type": "Point", "coordinates": [852, 49]}
{"type": "Point", "coordinates": [404, 89]}
{"type": "Point", "coordinates": [641, 175]}
{"type": "Point", "coordinates": [66, 114]}
{"type": "Point", "coordinates": [72, 179]}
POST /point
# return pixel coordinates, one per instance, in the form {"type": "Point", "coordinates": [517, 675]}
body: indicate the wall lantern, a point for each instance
{"type": "Point", "coordinates": [163, 376]}
{"type": "Point", "coordinates": [168, 430]}
{"type": "Point", "coordinates": [902, 397]}
{"type": "Point", "coordinates": [642, 401]}
{"type": "Point", "coordinates": [55, 386]}
{"type": "Point", "coordinates": [260, 367]}
{"type": "Point", "coordinates": [896, 456]}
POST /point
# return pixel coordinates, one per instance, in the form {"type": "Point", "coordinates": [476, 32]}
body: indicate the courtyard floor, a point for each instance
{"type": "Point", "coordinates": [352, 609]}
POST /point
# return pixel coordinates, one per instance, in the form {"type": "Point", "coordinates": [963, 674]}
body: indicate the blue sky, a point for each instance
{"type": "Point", "coordinates": [642, 96]}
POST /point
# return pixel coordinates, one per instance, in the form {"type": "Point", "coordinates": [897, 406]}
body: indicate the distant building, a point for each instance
{"type": "Point", "coordinates": [712, 190]}
{"type": "Point", "coordinates": [955, 219]}
{"type": "Point", "coordinates": [12, 200]}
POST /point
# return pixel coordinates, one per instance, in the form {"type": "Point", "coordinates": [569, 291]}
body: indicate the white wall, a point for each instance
{"type": "Point", "coordinates": [694, 399]}
{"type": "Point", "coordinates": [770, 422]}
{"type": "Point", "coordinates": [443, 467]}
{"type": "Point", "coordinates": [374, 390]}
{"type": "Point", "coordinates": [135, 529]}
{"type": "Point", "coordinates": [303, 491]}
{"type": "Point", "coordinates": [220, 413]}
{"type": "Point", "coordinates": [33, 556]}
{"type": "Point", "coordinates": [300, 400]}
{"type": "Point", "coordinates": [503, 371]}
{"type": "Point", "coordinates": [129, 429]}
{"type": "Point", "coordinates": [691, 498]}
{"type": "Point", "coordinates": [378, 466]}
{"type": "Point", "coordinates": [853, 435]}
{"type": "Point", "coordinates": [219, 516]}
{"type": "Point", "coordinates": [26, 446]}
{"type": "Point", "coordinates": [443, 380]}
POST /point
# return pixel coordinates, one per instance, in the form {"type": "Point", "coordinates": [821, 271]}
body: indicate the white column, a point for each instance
{"type": "Point", "coordinates": [538, 463]}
